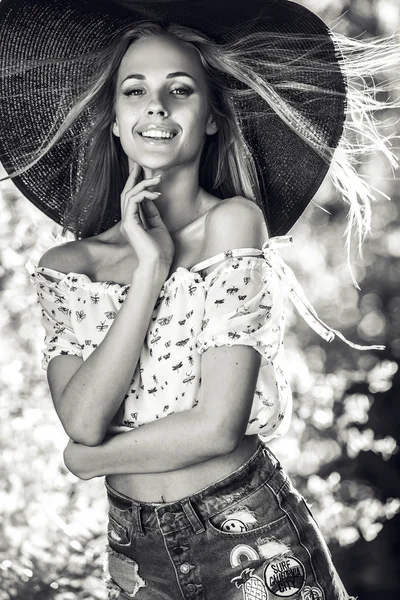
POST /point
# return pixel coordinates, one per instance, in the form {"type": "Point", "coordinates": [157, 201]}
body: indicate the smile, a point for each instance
{"type": "Point", "coordinates": [158, 137]}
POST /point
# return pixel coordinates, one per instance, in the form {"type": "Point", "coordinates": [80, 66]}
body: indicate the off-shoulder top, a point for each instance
{"type": "Point", "coordinates": [242, 301]}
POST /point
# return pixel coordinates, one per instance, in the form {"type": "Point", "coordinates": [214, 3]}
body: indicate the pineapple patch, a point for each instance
{"type": "Point", "coordinates": [253, 587]}
{"type": "Point", "coordinates": [285, 577]}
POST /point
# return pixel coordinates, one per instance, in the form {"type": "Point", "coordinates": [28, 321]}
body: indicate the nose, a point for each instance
{"type": "Point", "coordinates": [156, 106]}
{"type": "Point", "coordinates": [158, 111]}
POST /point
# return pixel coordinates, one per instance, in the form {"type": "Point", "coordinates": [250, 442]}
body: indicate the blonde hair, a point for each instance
{"type": "Point", "coordinates": [227, 167]}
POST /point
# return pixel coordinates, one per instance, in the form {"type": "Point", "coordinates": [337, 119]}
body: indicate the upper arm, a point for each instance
{"type": "Point", "coordinates": [59, 372]}
{"type": "Point", "coordinates": [61, 367]}
{"type": "Point", "coordinates": [228, 380]}
{"type": "Point", "coordinates": [229, 373]}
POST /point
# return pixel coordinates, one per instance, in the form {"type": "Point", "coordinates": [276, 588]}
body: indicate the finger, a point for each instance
{"type": "Point", "coordinates": [145, 183]}
{"type": "Point", "coordinates": [138, 189]}
{"type": "Point", "coordinates": [142, 215]}
{"type": "Point", "coordinates": [133, 201]}
{"type": "Point", "coordinates": [150, 209]}
{"type": "Point", "coordinates": [133, 175]}
{"type": "Point", "coordinates": [134, 198]}
{"type": "Point", "coordinates": [149, 213]}
{"type": "Point", "coordinates": [153, 216]}
{"type": "Point", "coordinates": [129, 184]}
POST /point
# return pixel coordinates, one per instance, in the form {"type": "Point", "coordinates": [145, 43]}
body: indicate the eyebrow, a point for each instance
{"type": "Point", "coordinates": [169, 76]}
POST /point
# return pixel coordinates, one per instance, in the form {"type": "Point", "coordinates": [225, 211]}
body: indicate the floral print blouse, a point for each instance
{"type": "Point", "coordinates": [242, 301]}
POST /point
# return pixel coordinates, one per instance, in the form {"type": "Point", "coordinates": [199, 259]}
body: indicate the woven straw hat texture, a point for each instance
{"type": "Point", "coordinates": [34, 99]}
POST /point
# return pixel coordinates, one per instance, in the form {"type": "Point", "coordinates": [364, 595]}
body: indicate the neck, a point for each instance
{"type": "Point", "coordinates": [182, 200]}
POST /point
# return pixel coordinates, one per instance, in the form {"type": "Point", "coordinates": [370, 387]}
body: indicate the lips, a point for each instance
{"type": "Point", "coordinates": [153, 138]}
{"type": "Point", "coordinates": [158, 141]}
{"type": "Point", "coordinates": [153, 126]}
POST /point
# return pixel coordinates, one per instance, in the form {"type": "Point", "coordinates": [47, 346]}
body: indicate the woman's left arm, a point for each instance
{"type": "Point", "coordinates": [213, 428]}
{"type": "Point", "coordinates": [167, 444]}
{"type": "Point", "coordinates": [228, 373]}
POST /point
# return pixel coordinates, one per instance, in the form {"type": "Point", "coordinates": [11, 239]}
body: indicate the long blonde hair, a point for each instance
{"type": "Point", "coordinates": [227, 167]}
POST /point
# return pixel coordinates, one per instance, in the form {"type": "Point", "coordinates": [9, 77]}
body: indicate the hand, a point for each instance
{"type": "Point", "coordinates": [79, 460]}
{"type": "Point", "coordinates": [153, 243]}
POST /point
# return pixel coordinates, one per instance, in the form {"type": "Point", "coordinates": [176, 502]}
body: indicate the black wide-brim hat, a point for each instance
{"type": "Point", "coordinates": [289, 170]}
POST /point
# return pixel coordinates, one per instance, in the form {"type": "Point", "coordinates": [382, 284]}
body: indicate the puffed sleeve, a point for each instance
{"type": "Point", "coordinates": [56, 316]}
{"type": "Point", "coordinates": [244, 304]}
{"type": "Point", "coordinates": [246, 301]}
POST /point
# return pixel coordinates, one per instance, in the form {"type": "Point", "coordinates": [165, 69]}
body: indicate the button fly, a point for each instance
{"type": "Point", "coordinates": [168, 518]}
{"type": "Point", "coordinates": [184, 568]}
{"type": "Point", "coordinates": [190, 588]}
{"type": "Point", "coordinates": [179, 550]}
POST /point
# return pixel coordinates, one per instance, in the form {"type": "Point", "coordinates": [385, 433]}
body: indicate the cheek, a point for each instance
{"type": "Point", "coordinates": [125, 114]}
{"type": "Point", "coordinates": [126, 126]}
{"type": "Point", "coordinates": [195, 126]}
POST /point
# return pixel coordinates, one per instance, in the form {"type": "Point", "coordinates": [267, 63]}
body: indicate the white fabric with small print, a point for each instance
{"type": "Point", "coordinates": [242, 301]}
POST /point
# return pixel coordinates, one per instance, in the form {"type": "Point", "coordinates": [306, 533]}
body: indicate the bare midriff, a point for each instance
{"type": "Point", "coordinates": [175, 485]}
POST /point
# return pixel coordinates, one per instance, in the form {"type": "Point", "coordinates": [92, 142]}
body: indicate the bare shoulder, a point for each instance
{"type": "Point", "coordinates": [235, 223]}
{"type": "Point", "coordinates": [69, 257]}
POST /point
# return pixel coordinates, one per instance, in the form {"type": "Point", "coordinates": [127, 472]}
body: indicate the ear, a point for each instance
{"type": "Point", "coordinates": [211, 126]}
{"type": "Point", "coordinates": [115, 128]}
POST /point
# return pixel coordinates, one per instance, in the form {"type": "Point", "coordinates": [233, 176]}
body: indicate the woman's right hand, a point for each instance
{"type": "Point", "coordinates": [153, 244]}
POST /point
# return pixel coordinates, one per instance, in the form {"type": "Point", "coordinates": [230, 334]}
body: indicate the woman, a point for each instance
{"type": "Point", "coordinates": [167, 326]}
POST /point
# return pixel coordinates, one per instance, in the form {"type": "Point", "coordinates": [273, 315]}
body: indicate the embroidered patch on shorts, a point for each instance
{"type": "Point", "coordinates": [311, 593]}
{"type": "Point", "coordinates": [233, 526]}
{"type": "Point", "coordinates": [239, 521]}
{"type": "Point", "coordinates": [253, 587]}
{"type": "Point", "coordinates": [242, 550]}
{"type": "Point", "coordinates": [285, 577]}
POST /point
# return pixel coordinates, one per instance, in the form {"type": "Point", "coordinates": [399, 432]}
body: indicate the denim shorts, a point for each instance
{"type": "Point", "coordinates": [249, 536]}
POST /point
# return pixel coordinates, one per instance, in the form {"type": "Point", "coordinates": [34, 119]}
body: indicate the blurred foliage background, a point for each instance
{"type": "Point", "coordinates": [341, 450]}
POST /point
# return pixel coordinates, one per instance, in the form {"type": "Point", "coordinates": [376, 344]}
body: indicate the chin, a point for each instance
{"type": "Point", "coordinates": [154, 165]}
{"type": "Point", "coordinates": [149, 162]}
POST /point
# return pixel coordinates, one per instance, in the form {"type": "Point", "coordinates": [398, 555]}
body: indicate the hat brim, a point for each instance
{"type": "Point", "coordinates": [289, 170]}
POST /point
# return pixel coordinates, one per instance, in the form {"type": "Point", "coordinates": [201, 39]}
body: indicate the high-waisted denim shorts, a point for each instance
{"type": "Point", "coordinates": [249, 536]}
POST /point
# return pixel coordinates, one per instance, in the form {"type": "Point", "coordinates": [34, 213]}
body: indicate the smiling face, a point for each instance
{"type": "Point", "coordinates": [162, 82]}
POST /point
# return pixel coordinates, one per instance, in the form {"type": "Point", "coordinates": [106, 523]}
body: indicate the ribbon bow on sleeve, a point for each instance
{"type": "Point", "coordinates": [296, 294]}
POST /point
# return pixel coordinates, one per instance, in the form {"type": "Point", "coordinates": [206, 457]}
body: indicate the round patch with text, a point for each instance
{"type": "Point", "coordinates": [285, 576]}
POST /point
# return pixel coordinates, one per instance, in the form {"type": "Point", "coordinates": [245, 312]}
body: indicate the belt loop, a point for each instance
{"type": "Point", "coordinates": [136, 518]}
{"type": "Point", "coordinates": [193, 518]}
{"type": "Point", "coordinates": [275, 459]}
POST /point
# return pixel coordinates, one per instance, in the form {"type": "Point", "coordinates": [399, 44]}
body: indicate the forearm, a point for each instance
{"type": "Point", "coordinates": [168, 444]}
{"type": "Point", "coordinates": [95, 392]}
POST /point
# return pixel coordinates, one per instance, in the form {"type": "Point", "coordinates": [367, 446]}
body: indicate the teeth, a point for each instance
{"type": "Point", "coordinates": [157, 134]}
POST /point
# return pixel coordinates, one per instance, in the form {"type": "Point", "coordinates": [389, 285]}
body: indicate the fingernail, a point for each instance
{"type": "Point", "coordinates": [158, 193]}
{"type": "Point", "coordinates": [158, 175]}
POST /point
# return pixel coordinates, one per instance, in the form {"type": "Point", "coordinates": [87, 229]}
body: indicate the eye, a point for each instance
{"type": "Point", "coordinates": [183, 89]}
{"type": "Point", "coordinates": [132, 91]}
